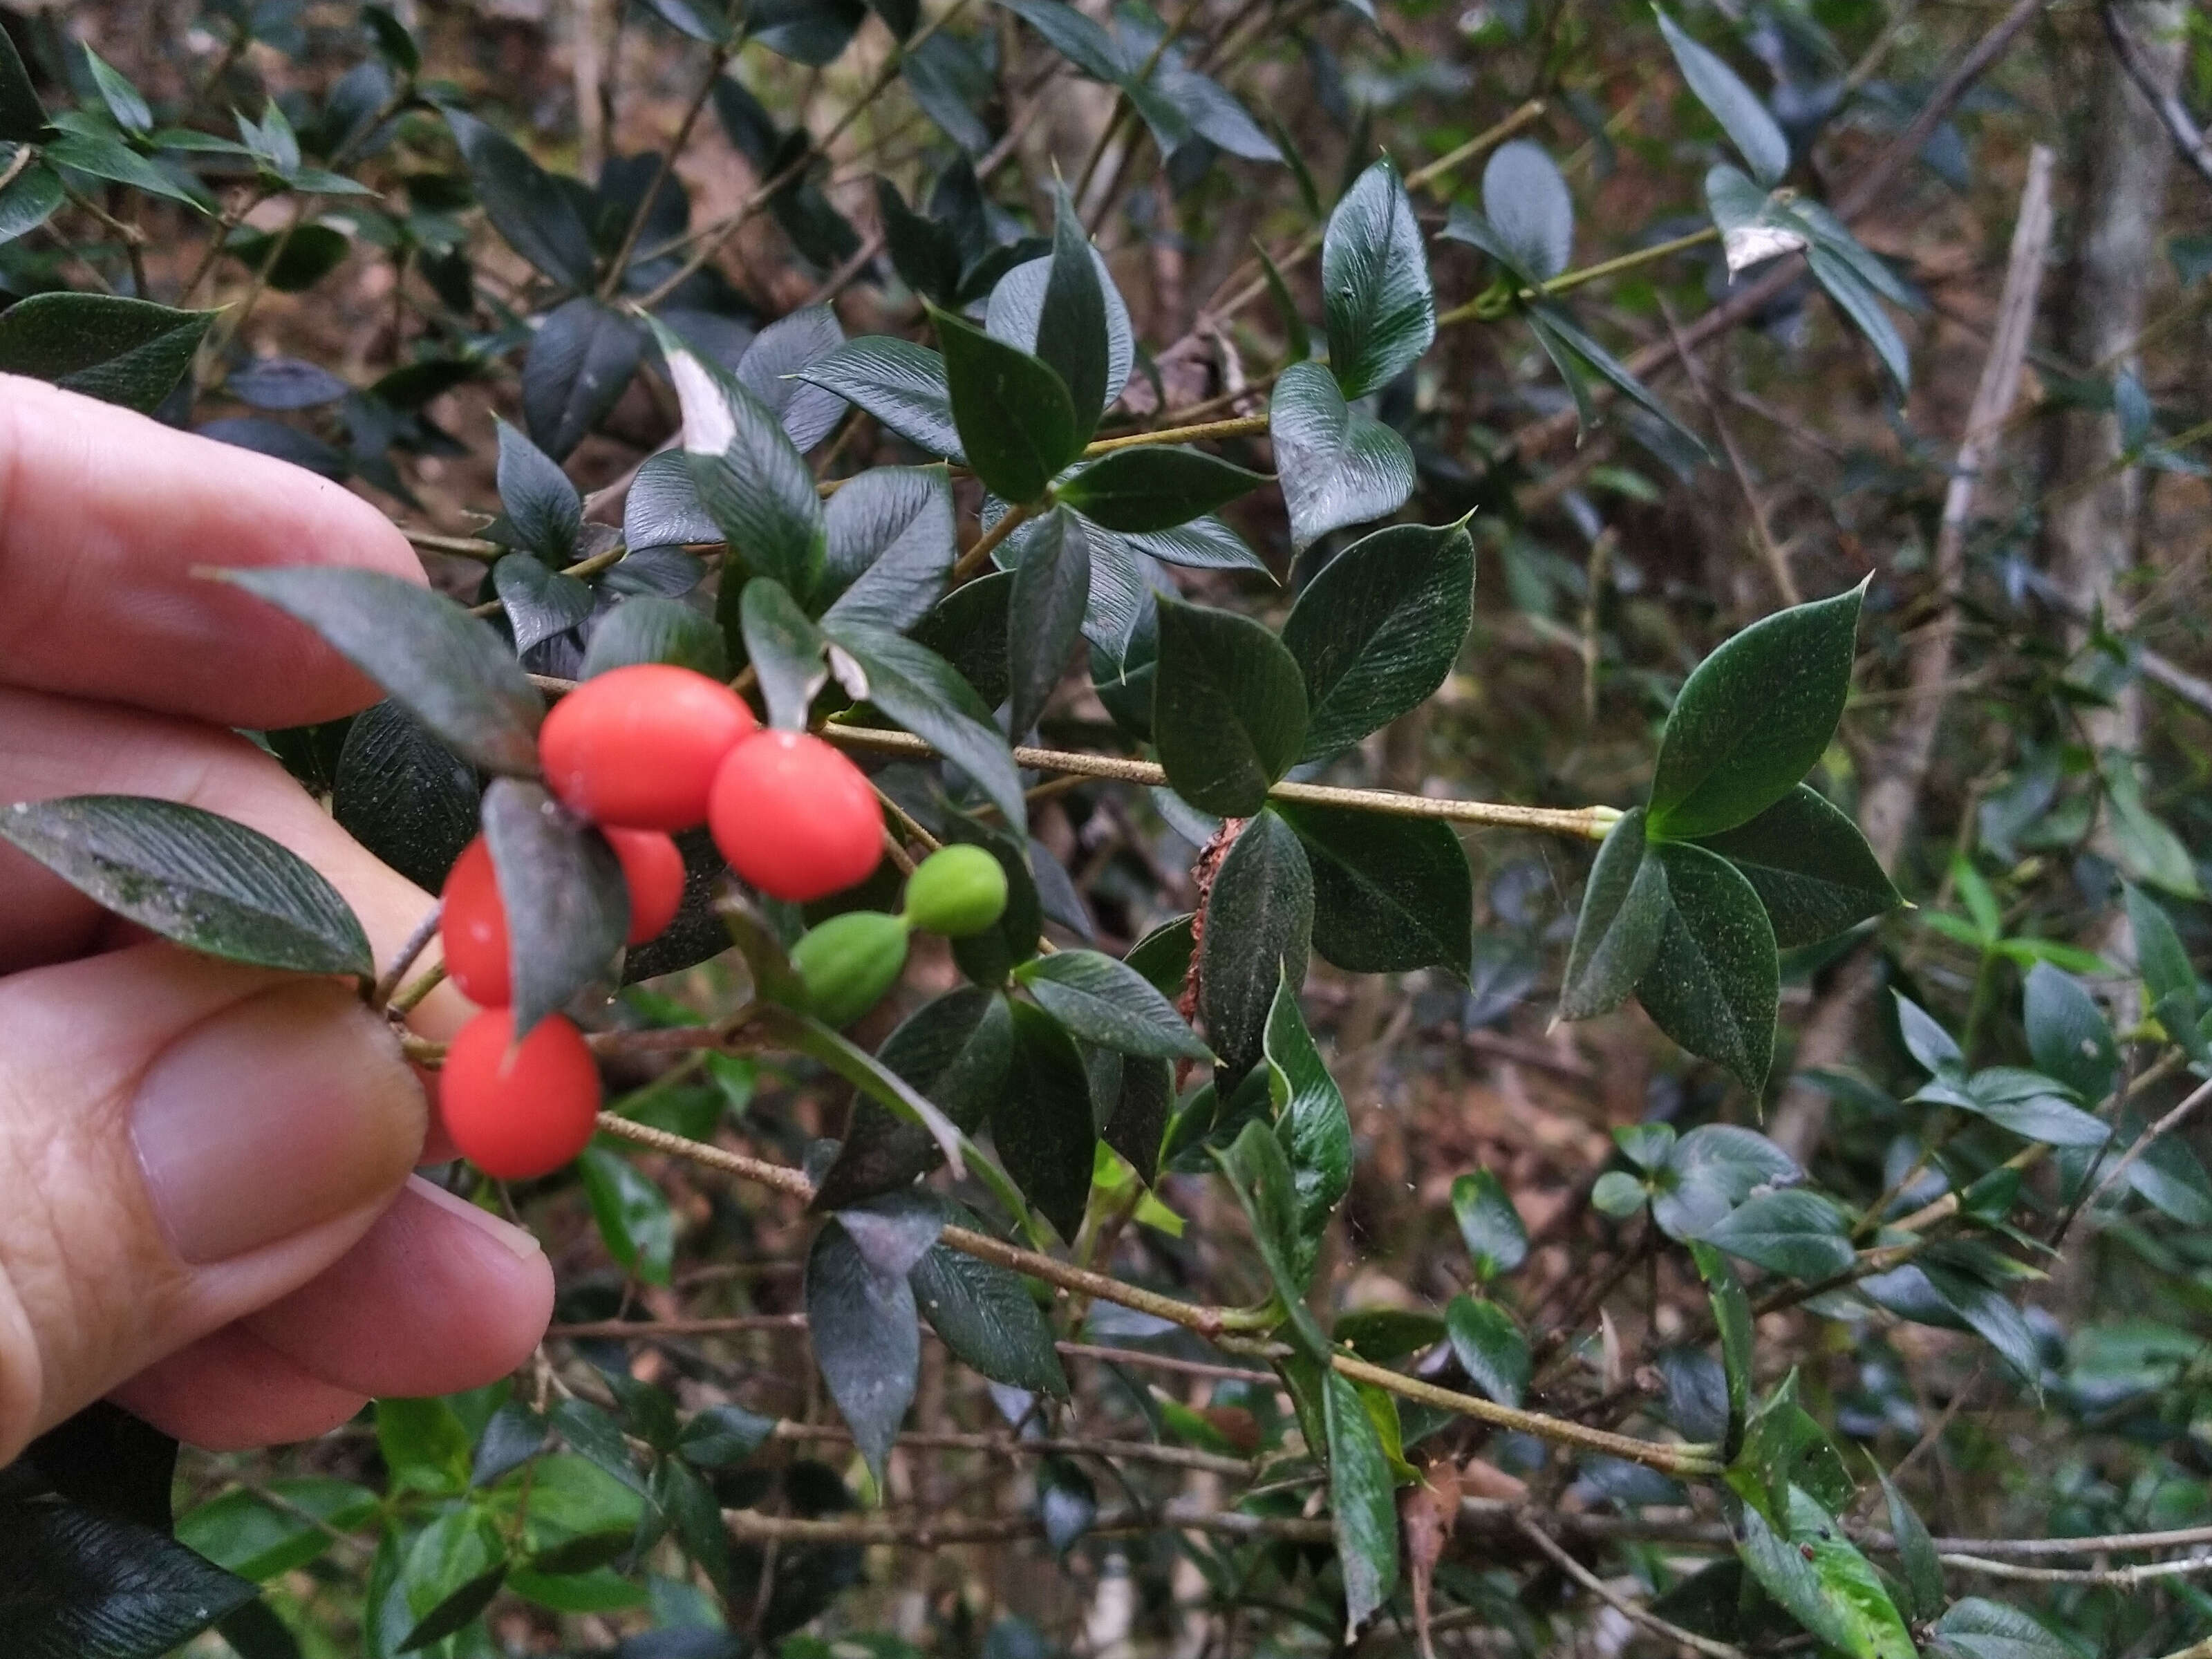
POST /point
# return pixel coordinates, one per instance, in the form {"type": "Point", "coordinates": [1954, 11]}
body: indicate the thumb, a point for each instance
{"type": "Point", "coordinates": [183, 1141]}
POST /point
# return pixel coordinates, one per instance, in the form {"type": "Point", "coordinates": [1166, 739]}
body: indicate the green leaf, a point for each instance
{"type": "Point", "coordinates": [1376, 633]}
{"type": "Point", "coordinates": [1258, 931]}
{"type": "Point", "coordinates": [1015, 315]}
{"type": "Point", "coordinates": [1567, 345]}
{"type": "Point", "coordinates": [1154, 487]}
{"type": "Point", "coordinates": [1714, 984]}
{"type": "Point", "coordinates": [2027, 1103]}
{"type": "Point", "coordinates": [1489, 1348]}
{"type": "Point", "coordinates": [580, 362]}
{"type": "Point", "coordinates": [121, 351]}
{"type": "Point", "coordinates": [752, 481]}
{"type": "Point", "coordinates": [663, 508]}
{"type": "Point", "coordinates": [785, 649]}
{"type": "Point", "coordinates": [1383, 1335]}
{"type": "Point", "coordinates": [1915, 1553]}
{"type": "Point", "coordinates": [447, 668]}
{"type": "Point", "coordinates": [1525, 199]}
{"type": "Point", "coordinates": [1810, 866]}
{"type": "Point", "coordinates": [525, 205]}
{"type": "Point", "coordinates": [1497, 1240]}
{"type": "Point", "coordinates": [1376, 301]}
{"type": "Point", "coordinates": [1228, 708]}
{"type": "Point", "coordinates": [891, 547]}
{"type": "Point", "coordinates": [2162, 961]}
{"type": "Point", "coordinates": [404, 795]}
{"type": "Point", "coordinates": [1100, 1000]}
{"type": "Point", "coordinates": [1976, 1628]}
{"type": "Point", "coordinates": [1338, 465]}
{"type": "Point", "coordinates": [262, 1535]}
{"type": "Point", "coordinates": [1042, 1123]}
{"type": "Point", "coordinates": [1792, 1233]}
{"type": "Point", "coordinates": [104, 156]}
{"type": "Point", "coordinates": [22, 117]}
{"type": "Point", "coordinates": [1310, 1121]}
{"type": "Point", "coordinates": [29, 201]}
{"type": "Point", "coordinates": [1624, 916]}
{"type": "Point", "coordinates": [634, 1219]}
{"type": "Point", "coordinates": [423, 1445]}
{"type": "Point", "coordinates": [1044, 612]}
{"type": "Point", "coordinates": [925, 694]}
{"type": "Point", "coordinates": [1260, 1176]}
{"type": "Point", "coordinates": [125, 101]}
{"type": "Point", "coordinates": [1754, 132]}
{"type": "Point", "coordinates": [1783, 1442]}
{"type": "Point", "coordinates": [1859, 302]}
{"type": "Point", "coordinates": [1071, 336]}
{"type": "Point", "coordinates": [1015, 418]}
{"type": "Point", "coordinates": [452, 1572]}
{"type": "Point", "coordinates": [771, 365]}
{"type": "Point", "coordinates": [650, 629]}
{"type": "Point", "coordinates": [956, 1050]}
{"type": "Point", "coordinates": [2068, 1034]}
{"type": "Point", "coordinates": [1298, 339]}
{"type": "Point", "coordinates": [902, 384]}
{"type": "Point", "coordinates": [568, 907]}
{"type": "Point", "coordinates": [1619, 1195]}
{"type": "Point", "coordinates": [866, 1340]}
{"type": "Point", "coordinates": [1137, 1114]}
{"type": "Point", "coordinates": [1754, 226]}
{"type": "Point", "coordinates": [1817, 1573]}
{"type": "Point", "coordinates": [1361, 1504]}
{"type": "Point", "coordinates": [1390, 893]}
{"type": "Point", "coordinates": [81, 1583]}
{"type": "Point", "coordinates": [210, 885]}
{"type": "Point", "coordinates": [722, 1437]}
{"type": "Point", "coordinates": [1732, 1321]}
{"type": "Point", "coordinates": [540, 603]}
{"type": "Point", "coordinates": [1753, 718]}
{"type": "Point", "coordinates": [1710, 1170]}
{"type": "Point", "coordinates": [989, 1319]}
{"type": "Point", "coordinates": [863, 1071]}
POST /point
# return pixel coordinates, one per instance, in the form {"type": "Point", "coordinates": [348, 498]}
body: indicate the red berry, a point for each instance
{"type": "Point", "coordinates": [795, 817]}
{"type": "Point", "coordinates": [652, 868]}
{"type": "Point", "coordinates": [519, 1111]}
{"type": "Point", "coordinates": [474, 928]}
{"type": "Point", "coordinates": [638, 746]}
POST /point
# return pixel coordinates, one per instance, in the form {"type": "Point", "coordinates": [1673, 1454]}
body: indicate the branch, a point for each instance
{"type": "Point", "coordinates": [2194, 148]}
{"type": "Point", "coordinates": [1621, 1604]}
{"type": "Point", "coordinates": [1006, 1445]}
{"type": "Point", "coordinates": [921, 1532]}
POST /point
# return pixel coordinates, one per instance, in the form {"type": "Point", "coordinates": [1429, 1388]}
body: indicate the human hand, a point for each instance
{"type": "Point", "coordinates": [208, 1212]}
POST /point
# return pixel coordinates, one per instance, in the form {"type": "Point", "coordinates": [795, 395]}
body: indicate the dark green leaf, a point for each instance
{"type": "Point", "coordinates": [1810, 866]}
{"type": "Point", "coordinates": [121, 351]}
{"type": "Point", "coordinates": [1156, 487]}
{"type": "Point", "coordinates": [956, 1050]}
{"type": "Point", "coordinates": [22, 117]}
{"type": "Point", "coordinates": [1016, 315]}
{"type": "Point", "coordinates": [1975, 1628]}
{"type": "Point", "coordinates": [651, 629]}
{"type": "Point", "coordinates": [1991, 1314]}
{"type": "Point", "coordinates": [77, 1583]}
{"type": "Point", "coordinates": [1298, 339]}
{"type": "Point", "coordinates": [579, 363]}
{"type": "Point", "coordinates": [1383, 1335]}
{"type": "Point", "coordinates": [924, 251]}
{"type": "Point", "coordinates": [2162, 961]}
{"type": "Point", "coordinates": [866, 1340]}
{"type": "Point", "coordinates": [1497, 1240]}
{"type": "Point", "coordinates": [1015, 420]}
{"type": "Point", "coordinates": [863, 1071]}
{"type": "Point", "coordinates": [1310, 1121]}
{"type": "Point", "coordinates": [1380, 310]}
{"type": "Point", "coordinates": [1568, 346]}
{"type": "Point", "coordinates": [1915, 1553]}
{"type": "Point", "coordinates": [891, 547]}
{"type": "Point", "coordinates": [1927, 1042]}
{"type": "Point", "coordinates": [1100, 1000]}
{"type": "Point", "coordinates": [1260, 1176]}
{"type": "Point", "coordinates": [1137, 1114]}
{"type": "Point", "coordinates": [1201, 545]}
{"type": "Point", "coordinates": [525, 205]}
{"type": "Point", "coordinates": [786, 649]}
{"type": "Point", "coordinates": [1070, 338]}
{"type": "Point", "coordinates": [125, 101]}
{"type": "Point", "coordinates": [1085, 44]}
{"type": "Point", "coordinates": [1816, 1573]}
{"type": "Point", "coordinates": [773, 366]}
{"type": "Point", "coordinates": [1042, 1124]}
{"type": "Point", "coordinates": [947, 78]}
{"type": "Point", "coordinates": [567, 907]}
{"type": "Point", "coordinates": [895, 1231]}
{"type": "Point", "coordinates": [209, 884]}
{"type": "Point", "coordinates": [989, 1319]}
{"type": "Point", "coordinates": [1792, 1233]}
{"type": "Point", "coordinates": [1754, 717]}
{"type": "Point", "coordinates": [633, 1213]}
{"type": "Point", "coordinates": [721, 1436]}
{"type": "Point", "coordinates": [1228, 708]}
{"type": "Point", "coordinates": [1859, 302]}
{"type": "Point", "coordinates": [902, 384]}
{"type": "Point", "coordinates": [2025, 1103]}
{"type": "Point", "coordinates": [404, 795]}
{"type": "Point", "coordinates": [925, 694]}
{"type": "Point", "coordinates": [103, 155]}
{"type": "Point", "coordinates": [2068, 1034]}
{"type": "Point", "coordinates": [1390, 893]}
{"type": "Point", "coordinates": [1379, 629]}
{"type": "Point", "coordinates": [663, 508]}
{"type": "Point", "coordinates": [1044, 612]}
{"type": "Point", "coordinates": [290, 261]}
{"type": "Point", "coordinates": [1624, 916]}
{"type": "Point", "coordinates": [1710, 1170]}
{"type": "Point", "coordinates": [263, 1535]}
{"type": "Point", "coordinates": [540, 603]}
{"type": "Point", "coordinates": [1714, 984]}
{"type": "Point", "coordinates": [1526, 201]}
{"type": "Point", "coordinates": [1338, 465]}
{"type": "Point", "coordinates": [752, 481]}
{"type": "Point", "coordinates": [28, 202]}
{"type": "Point", "coordinates": [447, 668]}
{"type": "Point", "coordinates": [452, 1570]}
{"type": "Point", "coordinates": [1361, 1504]}
{"type": "Point", "coordinates": [1489, 1348]}
{"type": "Point", "coordinates": [1258, 931]}
{"type": "Point", "coordinates": [1758, 139]}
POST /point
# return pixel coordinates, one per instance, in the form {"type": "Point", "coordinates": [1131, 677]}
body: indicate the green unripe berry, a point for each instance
{"type": "Point", "coordinates": [956, 892]}
{"type": "Point", "coordinates": [849, 962]}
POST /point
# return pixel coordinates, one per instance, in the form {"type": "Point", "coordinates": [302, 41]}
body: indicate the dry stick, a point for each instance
{"type": "Point", "coordinates": [1762, 533]}
{"type": "Point", "coordinates": [717, 61]}
{"type": "Point", "coordinates": [921, 1532]}
{"type": "Point", "coordinates": [988, 544]}
{"type": "Point", "coordinates": [1583, 823]}
{"type": "Point", "coordinates": [1886, 811]}
{"type": "Point", "coordinates": [1208, 1321]}
{"type": "Point", "coordinates": [2105, 1578]}
{"type": "Point", "coordinates": [1620, 1603]}
{"type": "Point", "coordinates": [1006, 1445]}
{"type": "Point", "coordinates": [2192, 145]}
{"type": "Point", "coordinates": [2143, 1142]}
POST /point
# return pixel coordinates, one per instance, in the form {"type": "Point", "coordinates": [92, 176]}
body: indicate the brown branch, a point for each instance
{"type": "Point", "coordinates": [2189, 141]}
{"type": "Point", "coordinates": [1620, 1603]}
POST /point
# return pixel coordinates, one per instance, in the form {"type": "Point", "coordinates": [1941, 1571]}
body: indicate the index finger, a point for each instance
{"type": "Point", "coordinates": [105, 515]}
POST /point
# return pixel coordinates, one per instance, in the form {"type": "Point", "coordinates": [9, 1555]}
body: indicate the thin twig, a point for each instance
{"type": "Point", "coordinates": [1620, 1603]}
{"type": "Point", "coordinates": [413, 946]}
{"type": "Point", "coordinates": [2192, 145]}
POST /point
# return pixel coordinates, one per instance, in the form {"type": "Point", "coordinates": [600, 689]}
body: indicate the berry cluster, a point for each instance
{"type": "Point", "coordinates": [640, 751]}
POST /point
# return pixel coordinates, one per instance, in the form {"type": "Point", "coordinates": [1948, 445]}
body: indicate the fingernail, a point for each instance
{"type": "Point", "coordinates": [282, 1112]}
{"type": "Point", "coordinates": [516, 1239]}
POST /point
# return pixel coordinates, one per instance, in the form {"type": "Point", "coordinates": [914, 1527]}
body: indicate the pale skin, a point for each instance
{"type": "Point", "coordinates": [209, 1215]}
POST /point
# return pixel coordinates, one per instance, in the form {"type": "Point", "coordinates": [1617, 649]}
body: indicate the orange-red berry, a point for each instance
{"type": "Point", "coordinates": [653, 869]}
{"type": "Point", "coordinates": [639, 746]}
{"type": "Point", "coordinates": [517, 1111]}
{"type": "Point", "coordinates": [794, 818]}
{"type": "Point", "coordinates": [473, 926]}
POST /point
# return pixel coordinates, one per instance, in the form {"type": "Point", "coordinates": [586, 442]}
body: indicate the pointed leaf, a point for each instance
{"type": "Point", "coordinates": [866, 1340]}
{"type": "Point", "coordinates": [404, 795]}
{"type": "Point", "coordinates": [751, 479]}
{"type": "Point", "coordinates": [1489, 1348]}
{"type": "Point", "coordinates": [1713, 985]}
{"type": "Point", "coordinates": [902, 384]}
{"type": "Point", "coordinates": [773, 370]}
{"type": "Point", "coordinates": [786, 648]}
{"type": "Point", "coordinates": [1816, 1573]}
{"type": "Point", "coordinates": [540, 603]}
{"type": "Point", "coordinates": [891, 547]}
{"type": "Point", "coordinates": [925, 694]}
{"type": "Point", "coordinates": [567, 907]}
{"type": "Point", "coordinates": [1312, 1122]}
{"type": "Point", "coordinates": [525, 203]}
{"type": "Point", "coordinates": [1859, 302]}
{"type": "Point", "coordinates": [651, 629]}
{"type": "Point", "coordinates": [1750, 127]}
{"type": "Point", "coordinates": [1391, 895]}
{"type": "Point", "coordinates": [1070, 331]}
{"type": "Point", "coordinates": [1338, 465]}
{"type": "Point", "coordinates": [1015, 419]}
{"type": "Point", "coordinates": [580, 362]}
{"type": "Point", "coordinates": [1229, 712]}
{"type": "Point", "coordinates": [22, 117]}
{"type": "Point", "coordinates": [1624, 916]}
{"type": "Point", "coordinates": [1810, 866]}
{"type": "Point", "coordinates": [1259, 932]}
{"type": "Point", "coordinates": [121, 351]}
{"type": "Point", "coordinates": [1786, 1232]}
{"type": "Point", "coordinates": [1360, 1504]}
{"type": "Point", "coordinates": [1042, 1124]}
{"type": "Point", "coordinates": [1155, 487]}
{"type": "Point", "coordinates": [2068, 1034]}
{"type": "Point", "coordinates": [1260, 1175]}
{"type": "Point", "coordinates": [1376, 296]}
{"type": "Point", "coordinates": [989, 1320]}
{"type": "Point", "coordinates": [1016, 315]}
{"type": "Point", "coordinates": [663, 508]}
{"type": "Point", "coordinates": [1496, 1239]}
{"type": "Point", "coordinates": [1915, 1552]}
{"type": "Point", "coordinates": [1974, 1627]}
{"type": "Point", "coordinates": [1100, 1000]}
{"type": "Point", "coordinates": [1526, 201]}
{"type": "Point", "coordinates": [1044, 613]}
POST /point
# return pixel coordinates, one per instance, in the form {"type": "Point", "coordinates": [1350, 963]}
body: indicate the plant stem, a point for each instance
{"type": "Point", "coordinates": [1482, 310]}
{"type": "Point", "coordinates": [610, 285]}
{"type": "Point", "coordinates": [415, 943]}
{"type": "Point", "coordinates": [976, 558]}
{"type": "Point", "coordinates": [1243, 426]}
{"type": "Point", "coordinates": [461, 547]}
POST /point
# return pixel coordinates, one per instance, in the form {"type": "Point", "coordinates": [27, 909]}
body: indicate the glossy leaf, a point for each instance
{"type": "Point", "coordinates": [1786, 1232]}
{"type": "Point", "coordinates": [988, 1319]}
{"type": "Point", "coordinates": [1338, 465]}
{"type": "Point", "coordinates": [1624, 916]}
{"type": "Point", "coordinates": [78, 1582]}
{"type": "Point", "coordinates": [1810, 866]}
{"type": "Point", "coordinates": [1154, 487]}
{"type": "Point", "coordinates": [1489, 1224]}
{"type": "Point", "coordinates": [1862, 307]}
{"type": "Point", "coordinates": [651, 629]}
{"type": "Point", "coordinates": [786, 650]}
{"type": "Point", "coordinates": [22, 117]}
{"type": "Point", "coordinates": [1044, 613]}
{"type": "Point", "coordinates": [866, 1340]}
{"type": "Point", "coordinates": [452, 1570]}
{"type": "Point", "coordinates": [1489, 1348]}
{"type": "Point", "coordinates": [1376, 300]}
{"type": "Point", "coordinates": [1974, 1627]}
{"type": "Point", "coordinates": [104, 155]}
{"type": "Point", "coordinates": [526, 204]}
{"type": "Point", "coordinates": [1526, 201]}
{"type": "Point", "coordinates": [32, 198]}
{"type": "Point", "coordinates": [1709, 1171]}
{"type": "Point", "coordinates": [1260, 1175]}
{"type": "Point", "coordinates": [1042, 1124]}
{"type": "Point", "coordinates": [635, 1220]}
{"type": "Point", "coordinates": [1361, 1504]}
{"type": "Point", "coordinates": [1102, 1001]}
{"type": "Point", "coordinates": [891, 547]}
{"type": "Point", "coordinates": [1016, 315]}
{"type": "Point", "coordinates": [1015, 420]}
{"type": "Point", "coordinates": [580, 362]}
{"type": "Point", "coordinates": [723, 1435]}
{"type": "Point", "coordinates": [447, 668]}
{"type": "Point", "coordinates": [262, 1537]}
{"type": "Point", "coordinates": [1390, 893]}
{"type": "Point", "coordinates": [1713, 984]}
{"type": "Point", "coordinates": [752, 481]}
{"type": "Point", "coordinates": [663, 508]}
{"type": "Point", "coordinates": [902, 384]}
{"type": "Point", "coordinates": [1258, 931]}
{"type": "Point", "coordinates": [925, 694]}
{"type": "Point", "coordinates": [404, 795]}
{"type": "Point", "coordinates": [1071, 333]}
{"type": "Point", "coordinates": [2068, 1033]}
{"type": "Point", "coordinates": [1750, 127]}
{"type": "Point", "coordinates": [1312, 1122]}
{"type": "Point", "coordinates": [567, 906]}
{"type": "Point", "coordinates": [122, 351]}
{"type": "Point", "coordinates": [773, 370]}
{"type": "Point", "coordinates": [1812, 1570]}
{"type": "Point", "coordinates": [1754, 717]}
{"type": "Point", "coordinates": [540, 603]}
{"type": "Point", "coordinates": [1916, 1551]}
{"type": "Point", "coordinates": [1228, 709]}
{"type": "Point", "coordinates": [210, 885]}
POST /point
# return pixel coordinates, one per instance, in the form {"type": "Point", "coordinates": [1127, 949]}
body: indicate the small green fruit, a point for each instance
{"type": "Point", "coordinates": [956, 892]}
{"type": "Point", "coordinates": [849, 962]}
